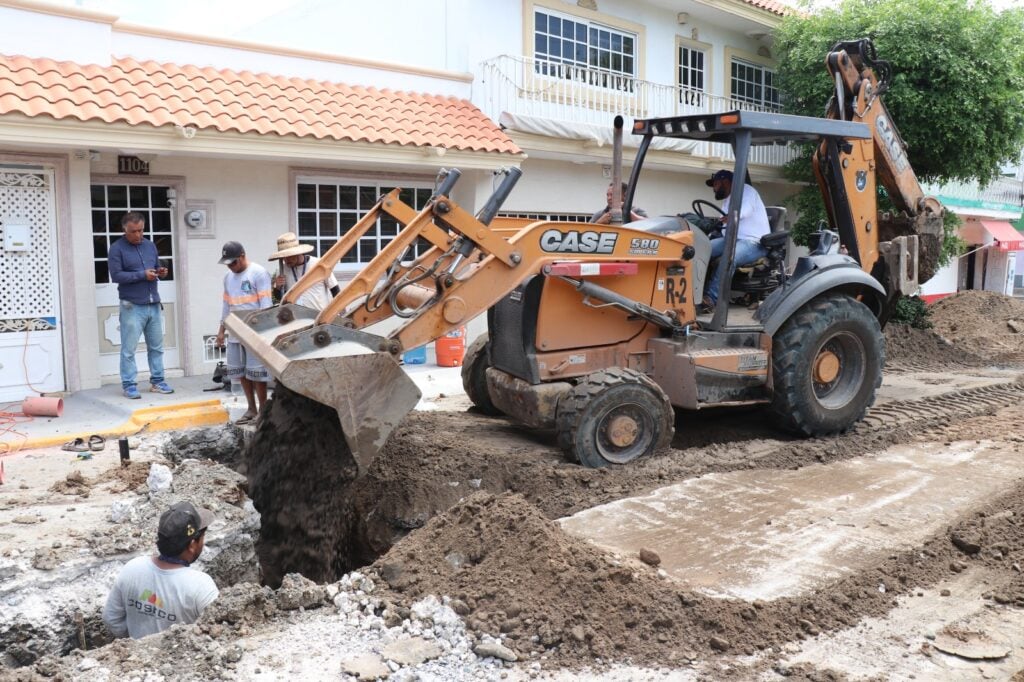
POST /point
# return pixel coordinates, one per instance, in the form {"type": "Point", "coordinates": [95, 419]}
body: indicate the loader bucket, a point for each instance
{"type": "Point", "coordinates": [347, 369]}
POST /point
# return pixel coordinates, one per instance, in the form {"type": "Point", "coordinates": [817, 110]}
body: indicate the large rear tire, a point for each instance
{"type": "Point", "coordinates": [474, 375]}
{"type": "Point", "coordinates": [827, 364]}
{"type": "Point", "coordinates": [613, 417]}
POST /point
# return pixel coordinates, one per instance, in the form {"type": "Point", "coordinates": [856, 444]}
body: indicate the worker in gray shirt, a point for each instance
{"type": "Point", "coordinates": [152, 593]}
{"type": "Point", "coordinates": [134, 264]}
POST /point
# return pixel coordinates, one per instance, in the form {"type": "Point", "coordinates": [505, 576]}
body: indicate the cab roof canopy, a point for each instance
{"type": "Point", "coordinates": [765, 127]}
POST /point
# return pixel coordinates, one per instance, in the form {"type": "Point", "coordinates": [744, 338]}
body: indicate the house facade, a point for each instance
{"type": "Point", "coordinates": [242, 139]}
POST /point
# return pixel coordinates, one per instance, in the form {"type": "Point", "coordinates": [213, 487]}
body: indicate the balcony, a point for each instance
{"type": "Point", "coordinates": [588, 98]}
{"type": "Point", "coordinates": [1004, 197]}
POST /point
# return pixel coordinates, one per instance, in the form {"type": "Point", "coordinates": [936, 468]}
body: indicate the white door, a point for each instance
{"type": "Point", "coordinates": [110, 201]}
{"type": "Point", "coordinates": [31, 351]}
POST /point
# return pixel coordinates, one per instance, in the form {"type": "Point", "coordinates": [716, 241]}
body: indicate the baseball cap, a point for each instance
{"type": "Point", "coordinates": [182, 523]}
{"type": "Point", "coordinates": [720, 175]}
{"type": "Point", "coordinates": [230, 252]}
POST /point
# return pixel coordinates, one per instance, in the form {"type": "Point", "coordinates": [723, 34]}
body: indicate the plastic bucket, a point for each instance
{"type": "Point", "coordinates": [36, 406]}
{"type": "Point", "coordinates": [451, 348]}
{"type": "Point", "coordinates": [416, 356]}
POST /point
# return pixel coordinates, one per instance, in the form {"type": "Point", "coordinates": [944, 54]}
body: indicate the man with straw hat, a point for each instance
{"type": "Point", "coordinates": [293, 262]}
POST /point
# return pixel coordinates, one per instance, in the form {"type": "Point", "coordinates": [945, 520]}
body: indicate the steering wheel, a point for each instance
{"type": "Point", "coordinates": [699, 204]}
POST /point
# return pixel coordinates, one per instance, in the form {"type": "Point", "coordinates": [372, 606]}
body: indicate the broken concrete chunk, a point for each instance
{"type": "Point", "coordinates": [971, 645]}
{"type": "Point", "coordinates": [411, 651]}
{"type": "Point", "coordinates": [159, 478]}
{"type": "Point", "coordinates": [495, 650]}
{"type": "Point", "coordinates": [366, 667]}
{"type": "Point", "coordinates": [1015, 326]}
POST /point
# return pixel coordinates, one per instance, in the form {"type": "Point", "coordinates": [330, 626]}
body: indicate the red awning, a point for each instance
{"type": "Point", "coordinates": [1007, 238]}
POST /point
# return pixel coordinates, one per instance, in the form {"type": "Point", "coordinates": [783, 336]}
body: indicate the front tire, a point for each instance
{"type": "Point", "coordinates": [613, 417]}
{"type": "Point", "coordinates": [474, 375]}
{"type": "Point", "coordinates": [827, 364]}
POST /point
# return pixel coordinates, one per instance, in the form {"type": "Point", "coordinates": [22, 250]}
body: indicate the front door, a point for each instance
{"type": "Point", "coordinates": [110, 201]}
{"type": "Point", "coordinates": [31, 350]}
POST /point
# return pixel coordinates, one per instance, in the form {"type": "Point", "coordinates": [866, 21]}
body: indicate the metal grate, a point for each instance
{"type": "Point", "coordinates": [27, 285]}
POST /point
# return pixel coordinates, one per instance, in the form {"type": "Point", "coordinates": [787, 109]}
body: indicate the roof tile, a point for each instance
{"type": "Point", "coordinates": [149, 93]}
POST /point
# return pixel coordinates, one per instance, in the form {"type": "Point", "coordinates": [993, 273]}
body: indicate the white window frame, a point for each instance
{"type": "Point", "coordinates": [547, 64]}
{"type": "Point", "coordinates": [689, 94]}
{"type": "Point", "coordinates": [761, 71]}
{"type": "Point", "coordinates": [344, 217]}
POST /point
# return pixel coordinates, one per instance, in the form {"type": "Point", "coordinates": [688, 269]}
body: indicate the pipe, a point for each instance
{"type": "Point", "coordinates": [615, 209]}
{"type": "Point", "coordinates": [39, 406]}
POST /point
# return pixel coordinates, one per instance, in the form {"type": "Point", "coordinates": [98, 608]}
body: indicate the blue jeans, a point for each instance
{"type": "Point", "coordinates": [747, 251]}
{"type": "Point", "coordinates": [138, 320]}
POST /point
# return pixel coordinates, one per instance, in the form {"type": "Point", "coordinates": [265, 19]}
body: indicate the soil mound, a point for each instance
{"type": "Point", "coordinates": [982, 323]}
{"type": "Point", "coordinates": [514, 574]}
{"type": "Point", "coordinates": [907, 346]}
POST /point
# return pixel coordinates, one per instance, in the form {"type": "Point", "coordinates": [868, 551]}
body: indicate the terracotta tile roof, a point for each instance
{"type": "Point", "coordinates": [772, 6]}
{"type": "Point", "coordinates": [148, 93]}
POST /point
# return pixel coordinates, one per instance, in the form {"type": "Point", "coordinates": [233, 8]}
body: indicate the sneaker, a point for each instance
{"type": "Point", "coordinates": [162, 387]}
{"type": "Point", "coordinates": [132, 392]}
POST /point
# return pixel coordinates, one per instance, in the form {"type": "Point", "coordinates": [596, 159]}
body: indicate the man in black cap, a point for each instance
{"type": "Point", "coordinates": [753, 224]}
{"type": "Point", "coordinates": [246, 287]}
{"type": "Point", "coordinates": [152, 593]}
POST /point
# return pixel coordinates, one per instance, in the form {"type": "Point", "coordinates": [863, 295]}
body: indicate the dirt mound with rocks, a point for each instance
{"type": "Point", "coordinates": [982, 323]}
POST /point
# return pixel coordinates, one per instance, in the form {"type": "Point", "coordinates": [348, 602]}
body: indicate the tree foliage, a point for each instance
{"type": "Point", "coordinates": [957, 93]}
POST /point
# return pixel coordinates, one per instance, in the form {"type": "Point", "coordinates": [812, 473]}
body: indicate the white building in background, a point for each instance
{"type": "Point", "coordinates": [994, 257]}
{"type": "Point", "coordinates": [218, 139]}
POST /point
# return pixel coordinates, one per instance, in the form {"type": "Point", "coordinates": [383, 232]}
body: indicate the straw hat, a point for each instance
{"type": "Point", "coordinates": [288, 245]}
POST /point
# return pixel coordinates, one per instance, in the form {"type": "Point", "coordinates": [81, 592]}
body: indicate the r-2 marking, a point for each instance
{"type": "Point", "coordinates": [675, 290]}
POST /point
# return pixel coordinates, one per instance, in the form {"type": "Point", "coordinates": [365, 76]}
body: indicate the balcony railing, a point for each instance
{"type": "Point", "coordinates": [575, 94]}
{"type": "Point", "coordinates": [1003, 194]}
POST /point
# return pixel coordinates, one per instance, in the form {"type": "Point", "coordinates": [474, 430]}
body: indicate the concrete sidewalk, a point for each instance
{"type": "Point", "coordinates": [106, 412]}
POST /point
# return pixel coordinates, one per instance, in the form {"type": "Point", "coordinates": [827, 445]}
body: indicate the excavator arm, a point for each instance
{"type": "Point", "coordinates": [901, 250]}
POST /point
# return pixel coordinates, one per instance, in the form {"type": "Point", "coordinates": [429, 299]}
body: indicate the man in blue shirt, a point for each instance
{"type": "Point", "coordinates": [135, 265]}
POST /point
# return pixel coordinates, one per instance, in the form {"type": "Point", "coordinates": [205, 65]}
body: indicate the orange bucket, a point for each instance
{"type": "Point", "coordinates": [450, 348]}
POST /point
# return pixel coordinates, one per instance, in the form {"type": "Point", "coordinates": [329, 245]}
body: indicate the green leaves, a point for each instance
{"type": "Point", "coordinates": [958, 89]}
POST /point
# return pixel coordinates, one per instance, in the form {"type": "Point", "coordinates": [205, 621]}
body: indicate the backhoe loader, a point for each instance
{"type": "Point", "coordinates": [593, 329]}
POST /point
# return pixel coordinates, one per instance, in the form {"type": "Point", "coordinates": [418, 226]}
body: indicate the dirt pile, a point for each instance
{"type": "Point", "coordinates": [982, 323]}
{"type": "Point", "coordinates": [907, 347]}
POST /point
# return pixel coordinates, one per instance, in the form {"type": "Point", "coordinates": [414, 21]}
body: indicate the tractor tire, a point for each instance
{"type": "Point", "coordinates": [613, 417]}
{"type": "Point", "coordinates": [474, 375]}
{"type": "Point", "coordinates": [827, 363]}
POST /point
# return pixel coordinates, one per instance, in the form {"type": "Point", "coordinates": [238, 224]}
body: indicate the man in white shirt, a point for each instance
{"type": "Point", "coordinates": [753, 224]}
{"type": "Point", "coordinates": [294, 262]}
{"type": "Point", "coordinates": [152, 593]}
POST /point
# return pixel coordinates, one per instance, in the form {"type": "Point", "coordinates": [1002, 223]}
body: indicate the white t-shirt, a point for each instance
{"type": "Point", "coordinates": [316, 297]}
{"type": "Point", "coordinates": [753, 215]}
{"type": "Point", "coordinates": [147, 599]}
{"type": "Point", "coordinates": [246, 290]}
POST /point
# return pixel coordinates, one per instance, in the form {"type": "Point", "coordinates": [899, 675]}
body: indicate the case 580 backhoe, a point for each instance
{"type": "Point", "coordinates": [593, 330]}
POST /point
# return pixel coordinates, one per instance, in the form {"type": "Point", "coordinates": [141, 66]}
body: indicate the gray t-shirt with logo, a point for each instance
{"type": "Point", "coordinates": [147, 599]}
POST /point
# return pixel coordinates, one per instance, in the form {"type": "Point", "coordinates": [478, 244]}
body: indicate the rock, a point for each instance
{"type": "Point", "coordinates": [45, 560]}
{"type": "Point", "coordinates": [297, 591]}
{"type": "Point", "coordinates": [649, 557]}
{"type": "Point", "coordinates": [495, 650]}
{"type": "Point", "coordinates": [578, 633]}
{"type": "Point", "coordinates": [460, 607]}
{"type": "Point", "coordinates": [967, 545]}
{"type": "Point", "coordinates": [366, 667]}
{"type": "Point", "coordinates": [26, 519]}
{"type": "Point", "coordinates": [411, 651]}
{"type": "Point", "coordinates": [159, 478]}
{"type": "Point", "coordinates": [719, 643]}
{"type": "Point", "coordinates": [809, 627]}
{"type": "Point", "coordinates": [1015, 326]}
{"type": "Point", "coordinates": [945, 593]}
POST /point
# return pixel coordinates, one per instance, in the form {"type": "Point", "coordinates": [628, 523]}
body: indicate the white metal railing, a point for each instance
{"type": "Point", "coordinates": [576, 94]}
{"type": "Point", "coordinates": [1002, 193]}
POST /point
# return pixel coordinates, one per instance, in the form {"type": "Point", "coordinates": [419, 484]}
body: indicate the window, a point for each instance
{"type": "Point", "coordinates": [328, 210]}
{"type": "Point", "coordinates": [754, 84]}
{"type": "Point", "coordinates": [110, 203]}
{"type": "Point", "coordinates": [561, 217]}
{"type": "Point", "coordinates": [691, 76]}
{"type": "Point", "coordinates": [562, 42]}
